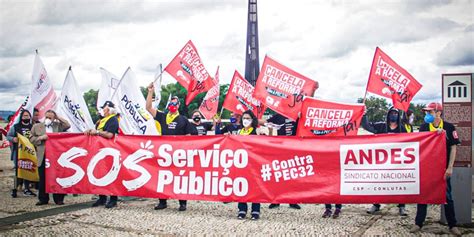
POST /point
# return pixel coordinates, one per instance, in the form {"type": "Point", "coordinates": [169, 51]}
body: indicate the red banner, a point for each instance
{"type": "Point", "coordinates": [319, 117]}
{"type": "Point", "coordinates": [240, 98]}
{"type": "Point", "coordinates": [389, 80]}
{"type": "Point", "coordinates": [210, 102]}
{"type": "Point", "coordinates": [187, 68]}
{"type": "Point", "coordinates": [387, 168]}
{"type": "Point", "coordinates": [282, 89]}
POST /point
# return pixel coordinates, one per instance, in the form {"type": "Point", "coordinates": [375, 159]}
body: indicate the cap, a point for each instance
{"type": "Point", "coordinates": [109, 104]}
{"type": "Point", "coordinates": [434, 106]}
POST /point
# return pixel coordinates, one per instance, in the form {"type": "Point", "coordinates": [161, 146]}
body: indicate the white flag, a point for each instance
{"type": "Point", "coordinates": [130, 103]}
{"type": "Point", "coordinates": [107, 87]}
{"type": "Point", "coordinates": [72, 106]}
{"type": "Point", "coordinates": [42, 95]}
{"type": "Point", "coordinates": [157, 85]}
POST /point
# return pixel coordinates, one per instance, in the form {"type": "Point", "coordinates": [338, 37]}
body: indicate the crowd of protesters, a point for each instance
{"type": "Point", "coordinates": [171, 122]}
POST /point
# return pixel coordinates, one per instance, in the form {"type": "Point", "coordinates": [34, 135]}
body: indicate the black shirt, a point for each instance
{"type": "Point", "coordinates": [112, 125]}
{"type": "Point", "coordinates": [451, 136]}
{"type": "Point", "coordinates": [288, 126]}
{"type": "Point", "coordinates": [24, 130]}
{"type": "Point", "coordinates": [202, 128]}
{"type": "Point", "coordinates": [381, 127]}
{"type": "Point", "coordinates": [229, 128]}
{"type": "Point", "coordinates": [179, 126]}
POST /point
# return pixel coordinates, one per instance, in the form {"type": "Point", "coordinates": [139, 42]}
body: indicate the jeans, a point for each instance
{"type": "Point", "coordinates": [329, 206]}
{"type": "Point", "coordinates": [421, 209]}
{"type": "Point", "coordinates": [243, 207]}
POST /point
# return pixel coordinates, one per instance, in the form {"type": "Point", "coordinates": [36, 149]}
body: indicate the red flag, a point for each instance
{"type": "Point", "coordinates": [282, 89]}
{"type": "Point", "coordinates": [15, 118]}
{"type": "Point", "coordinates": [321, 117]}
{"type": "Point", "coordinates": [187, 68]}
{"type": "Point", "coordinates": [239, 97]}
{"type": "Point", "coordinates": [210, 103]}
{"type": "Point", "coordinates": [389, 80]}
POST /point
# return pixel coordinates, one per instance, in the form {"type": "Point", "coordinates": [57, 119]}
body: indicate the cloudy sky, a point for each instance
{"type": "Point", "coordinates": [332, 42]}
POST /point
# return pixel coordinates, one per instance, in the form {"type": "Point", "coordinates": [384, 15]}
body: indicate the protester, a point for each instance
{"type": "Point", "coordinates": [285, 127]}
{"type": "Point", "coordinates": [201, 128]}
{"type": "Point", "coordinates": [35, 116]}
{"type": "Point", "coordinates": [249, 127]}
{"type": "Point", "coordinates": [172, 123]}
{"type": "Point", "coordinates": [107, 127]}
{"type": "Point", "coordinates": [408, 119]}
{"type": "Point", "coordinates": [392, 124]}
{"type": "Point", "coordinates": [231, 128]}
{"type": "Point", "coordinates": [434, 122]}
{"type": "Point", "coordinates": [23, 127]}
{"type": "Point", "coordinates": [39, 134]}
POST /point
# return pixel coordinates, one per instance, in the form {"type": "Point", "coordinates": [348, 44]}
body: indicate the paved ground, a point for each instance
{"type": "Point", "coordinates": [137, 217]}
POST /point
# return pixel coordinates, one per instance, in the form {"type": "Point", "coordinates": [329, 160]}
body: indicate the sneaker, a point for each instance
{"type": "Point", "coordinates": [14, 195]}
{"type": "Point", "coordinates": [182, 207]}
{"type": "Point", "coordinates": [255, 217]}
{"type": "Point", "coordinates": [327, 213]}
{"type": "Point", "coordinates": [455, 231]}
{"type": "Point", "coordinates": [415, 229]}
{"type": "Point", "coordinates": [402, 211]}
{"type": "Point", "coordinates": [40, 203]}
{"type": "Point", "coordinates": [273, 206]}
{"type": "Point", "coordinates": [111, 204]}
{"type": "Point", "coordinates": [29, 193]}
{"type": "Point", "coordinates": [295, 206]}
{"type": "Point", "coordinates": [336, 213]}
{"type": "Point", "coordinates": [241, 216]}
{"type": "Point", "coordinates": [374, 209]}
{"type": "Point", "coordinates": [161, 206]}
{"type": "Point", "coordinates": [99, 202]}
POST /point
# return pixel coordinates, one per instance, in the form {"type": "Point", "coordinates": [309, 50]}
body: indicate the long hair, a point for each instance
{"type": "Point", "coordinates": [254, 118]}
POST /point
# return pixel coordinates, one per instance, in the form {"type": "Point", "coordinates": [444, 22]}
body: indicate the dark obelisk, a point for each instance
{"type": "Point", "coordinates": [252, 65]}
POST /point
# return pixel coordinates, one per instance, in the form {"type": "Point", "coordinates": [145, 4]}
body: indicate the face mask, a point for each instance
{"type": "Point", "coordinates": [246, 122]}
{"type": "Point", "coordinates": [172, 108]}
{"type": "Point", "coordinates": [47, 122]}
{"type": "Point", "coordinates": [25, 120]}
{"type": "Point", "coordinates": [393, 118]}
{"type": "Point", "coordinates": [197, 119]}
{"type": "Point", "coordinates": [101, 112]}
{"type": "Point", "coordinates": [429, 118]}
{"type": "Point", "coordinates": [233, 120]}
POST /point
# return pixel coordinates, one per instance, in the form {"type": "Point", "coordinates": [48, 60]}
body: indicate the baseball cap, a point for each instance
{"type": "Point", "coordinates": [433, 106]}
{"type": "Point", "coordinates": [109, 104]}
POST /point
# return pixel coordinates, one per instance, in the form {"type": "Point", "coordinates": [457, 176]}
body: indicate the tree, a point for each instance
{"type": "Point", "coordinates": [175, 89]}
{"type": "Point", "coordinates": [377, 110]}
{"type": "Point", "coordinates": [91, 100]}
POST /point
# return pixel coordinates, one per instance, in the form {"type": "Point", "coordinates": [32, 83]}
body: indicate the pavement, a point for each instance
{"type": "Point", "coordinates": [135, 216]}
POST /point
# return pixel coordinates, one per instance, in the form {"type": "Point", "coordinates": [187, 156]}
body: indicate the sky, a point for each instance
{"type": "Point", "coordinates": [332, 42]}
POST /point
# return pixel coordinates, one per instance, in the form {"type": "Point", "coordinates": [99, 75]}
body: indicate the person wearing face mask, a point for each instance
{"type": "Point", "coordinates": [231, 128]}
{"type": "Point", "coordinates": [172, 123]}
{"type": "Point", "coordinates": [249, 127]}
{"type": "Point", "coordinates": [392, 124]}
{"type": "Point", "coordinates": [434, 122]}
{"type": "Point", "coordinates": [39, 135]}
{"type": "Point", "coordinates": [107, 127]}
{"type": "Point", "coordinates": [23, 127]}
{"type": "Point", "coordinates": [201, 128]}
{"type": "Point", "coordinates": [284, 127]}
{"type": "Point", "coordinates": [408, 119]}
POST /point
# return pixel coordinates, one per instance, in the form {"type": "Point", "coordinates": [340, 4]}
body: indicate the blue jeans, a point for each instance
{"type": "Point", "coordinates": [421, 209]}
{"type": "Point", "coordinates": [243, 207]}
